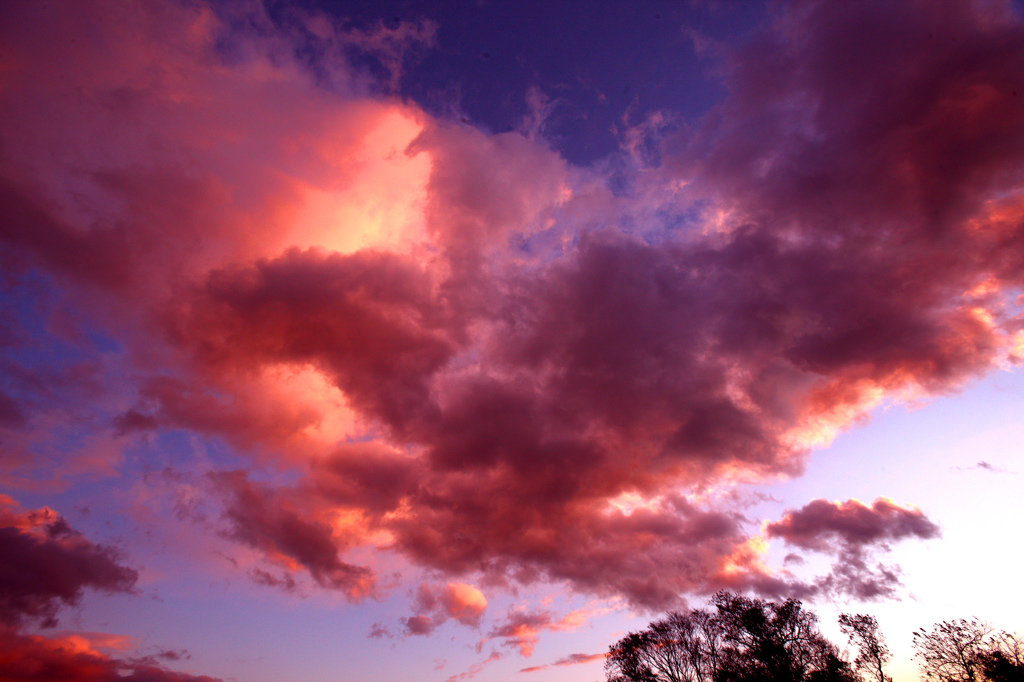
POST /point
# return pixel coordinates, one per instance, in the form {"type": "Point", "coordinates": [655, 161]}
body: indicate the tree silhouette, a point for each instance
{"type": "Point", "coordinates": [949, 653]}
{"type": "Point", "coordinates": [1003, 658]}
{"type": "Point", "coordinates": [678, 648]}
{"type": "Point", "coordinates": [969, 650]}
{"type": "Point", "coordinates": [872, 653]}
{"type": "Point", "coordinates": [776, 641]}
{"type": "Point", "coordinates": [742, 640]}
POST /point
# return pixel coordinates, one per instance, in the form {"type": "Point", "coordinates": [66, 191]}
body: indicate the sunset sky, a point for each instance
{"type": "Point", "coordinates": [400, 340]}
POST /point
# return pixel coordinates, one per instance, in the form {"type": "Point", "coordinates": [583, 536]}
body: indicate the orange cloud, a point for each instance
{"type": "Point", "coordinates": [72, 659]}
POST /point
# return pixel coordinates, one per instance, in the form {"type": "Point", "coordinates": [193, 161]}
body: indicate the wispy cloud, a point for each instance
{"type": "Point", "coordinates": [985, 466]}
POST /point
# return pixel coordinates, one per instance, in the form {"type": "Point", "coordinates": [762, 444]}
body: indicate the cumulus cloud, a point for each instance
{"type": "Point", "coordinates": [623, 365]}
{"type": "Point", "coordinates": [820, 524]}
{"type": "Point", "coordinates": [506, 523]}
{"type": "Point", "coordinates": [454, 345]}
{"type": "Point", "coordinates": [266, 522]}
{"type": "Point", "coordinates": [45, 565]}
{"type": "Point", "coordinates": [418, 625]}
{"type": "Point", "coordinates": [851, 531]}
{"type": "Point", "coordinates": [436, 604]}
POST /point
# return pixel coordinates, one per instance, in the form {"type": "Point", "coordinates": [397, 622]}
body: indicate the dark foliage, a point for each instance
{"type": "Point", "coordinates": [742, 640]}
{"type": "Point", "coordinates": [872, 653]}
{"type": "Point", "coordinates": [969, 651]}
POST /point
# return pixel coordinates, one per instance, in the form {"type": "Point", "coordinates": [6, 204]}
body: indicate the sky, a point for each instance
{"type": "Point", "coordinates": [455, 340]}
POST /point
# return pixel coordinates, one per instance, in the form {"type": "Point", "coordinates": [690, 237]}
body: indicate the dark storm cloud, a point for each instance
{"type": "Point", "coordinates": [45, 565]}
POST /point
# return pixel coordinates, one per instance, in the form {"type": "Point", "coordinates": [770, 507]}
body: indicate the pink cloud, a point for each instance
{"type": "Point", "coordinates": [265, 522]}
{"type": "Point", "coordinates": [851, 531]}
{"type": "Point", "coordinates": [499, 356]}
{"type": "Point", "coordinates": [101, 640]}
{"type": "Point", "coordinates": [576, 659]}
{"type": "Point", "coordinates": [571, 659]}
{"type": "Point", "coordinates": [46, 565]}
{"type": "Point", "coordinates": [436, 604]}
{"type": "Point", "coordinates": [31, 657]}
{"type": "Point", "coordinates": [377, 631]}
{"type": "Point", "coordinates": [521, 629]}
{"type": "Point", "coordinates": [418, 625]}
{"type": "Point", "coordinates": [285, 582]}
{"type": "Point", "coordinates": [852, 523]}
{"type": "Point", "coordinates": [476, 668]}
